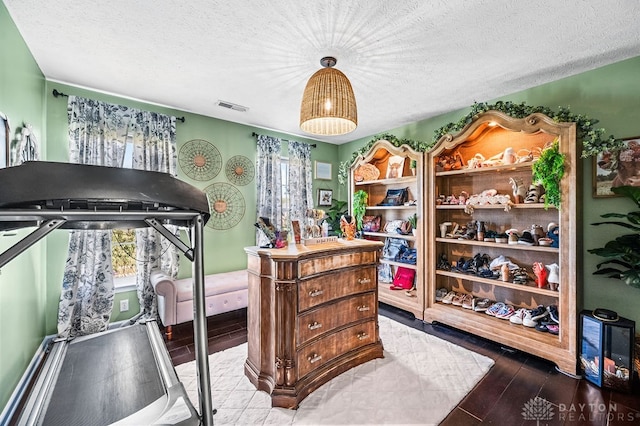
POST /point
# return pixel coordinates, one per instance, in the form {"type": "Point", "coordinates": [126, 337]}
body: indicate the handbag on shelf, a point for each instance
{"type": "Point", "coordinates": [403, 279]}
{"type": "Point", "coordinates": [392, 247]}
{"type": "Point", "coordinates": [371, 223]}
{"type": "Point", "coordinates": [398, 227]}
{"type": "Point", "coordinates": [408, 255]}
{"type": "Point", "coordinates": [395, 197]}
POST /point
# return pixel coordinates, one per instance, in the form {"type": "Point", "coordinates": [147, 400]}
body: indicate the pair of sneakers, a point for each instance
{"type": "Point", "coordinates": [529, 317]}
{"type": "Point", "coordinates": [551, 323]}
{"type": "Point", "coordinates": [500, 310]}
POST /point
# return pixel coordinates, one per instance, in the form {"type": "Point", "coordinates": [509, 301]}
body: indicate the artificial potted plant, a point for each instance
{"type": "Point", "coordinates": [548, 171]}
{"type": "Point", "coordinates": [622, 254]}
{"type": "Point", "coordinates": [413, 164]}
{"type": "Point", "coordinates": [334, 213]}
{"type": "Point", "coordinates": [413, 220]}
{"type": "Point", "coordinates": [360, 198]}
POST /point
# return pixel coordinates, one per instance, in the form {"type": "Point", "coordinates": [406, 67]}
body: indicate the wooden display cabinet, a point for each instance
{"type": "Point", "coordinates": [490, 134]}
{"type": "Point", "coordinates": [379, 178]}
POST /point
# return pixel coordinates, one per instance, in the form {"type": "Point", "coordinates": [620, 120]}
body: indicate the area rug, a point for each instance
{"type": "Point", "coordinates": [419, 381]}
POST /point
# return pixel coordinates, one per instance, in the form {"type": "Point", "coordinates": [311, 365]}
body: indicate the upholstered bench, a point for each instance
{"type": "Point", "coordinates": [224, 292]}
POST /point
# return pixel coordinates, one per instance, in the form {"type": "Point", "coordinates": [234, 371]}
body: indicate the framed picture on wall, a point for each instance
{"type": "Point", "coordinates": [324, 197]}
{"type": "Point", "coordinates": [617, 168]}
{"type": "Point", "coordinates": [4, 140]}
{"type": "Point", "coordinates": [322, 170]}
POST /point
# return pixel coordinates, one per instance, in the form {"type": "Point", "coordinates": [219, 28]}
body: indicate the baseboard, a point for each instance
{"type": "Point", "coordinates": [22, 388]}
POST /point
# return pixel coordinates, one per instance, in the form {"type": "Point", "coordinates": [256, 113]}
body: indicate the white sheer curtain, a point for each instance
{"type": "Point", "coordinates": [269, 182]}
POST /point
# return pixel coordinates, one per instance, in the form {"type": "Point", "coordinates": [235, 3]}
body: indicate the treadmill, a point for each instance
{"type": "Point", "coordinates": [122, 376]}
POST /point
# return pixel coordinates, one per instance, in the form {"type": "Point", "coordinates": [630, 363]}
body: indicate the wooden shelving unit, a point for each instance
{"type": "Point", "coordinates": [379, 156]}
{"type": "Point", "coordinates": [489, 134]}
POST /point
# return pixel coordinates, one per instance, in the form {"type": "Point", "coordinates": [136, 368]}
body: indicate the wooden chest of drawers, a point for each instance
{"type": "Point", "coordinates": [312, 314]}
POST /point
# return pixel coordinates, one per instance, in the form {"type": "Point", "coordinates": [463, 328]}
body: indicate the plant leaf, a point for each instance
{"type": "Point", "coordinates": [631, 192]}
{"type": "Point", "coordinates": [623, 224]}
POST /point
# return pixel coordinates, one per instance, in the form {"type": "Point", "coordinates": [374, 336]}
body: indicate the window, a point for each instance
{"type": "Point", "coordinates": [123, 243]}
{"type": "Point", "coordinates": [123, 252]}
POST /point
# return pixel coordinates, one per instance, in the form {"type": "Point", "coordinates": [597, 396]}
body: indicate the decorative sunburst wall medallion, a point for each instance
{"type": "Point", "coordinates": [200, 160]}
{"type": "Point", "coordinates": [239, 170]}
{"type": "Point", "coordinates": [226, 204]}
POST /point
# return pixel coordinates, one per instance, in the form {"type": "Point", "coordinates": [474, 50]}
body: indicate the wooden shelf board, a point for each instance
{"type": "Point", "coordinates": [403, 179]}
{"type": "Point", "coordinates": [504, 167]}
{"type": "Point", "coordinates": [501, 245]}
{"type": "Point", "coordinates": [393, 263]}
{"type": "Point", "coordinates": [386, 235]}
{"type": "Point", "coordinates": [399, 299]}
{"type": "Point", "coordinates": [490, 206]}
{"type": "Point", "coordinates": [520, 287]}
{"type": "Point", "coordinates": [544, 345]}
{"type": "Point", "coordinates": [413, 207]}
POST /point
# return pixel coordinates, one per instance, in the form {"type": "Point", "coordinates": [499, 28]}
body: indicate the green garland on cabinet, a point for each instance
{"type": "Point", "coordinates": [591, 137]}
{"type": "Point", "coordinates": [343, 168]}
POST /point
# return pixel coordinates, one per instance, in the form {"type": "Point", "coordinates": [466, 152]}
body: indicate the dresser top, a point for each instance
{"type": "Point", "coordinates": [295, 251]}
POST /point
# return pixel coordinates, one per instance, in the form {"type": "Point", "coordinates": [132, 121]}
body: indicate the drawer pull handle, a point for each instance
{"type": "Point", "coordinates": [362, 336]}
{"type": "Point", "coordinates": [313, 358]}
{"type": "Point", "coordinates": [315, 325]}
{"type": "Point", "coordinates": [364, 280]}
{"type": "Point", "coordinates": [314, 293]}
{"type": "Point", "coordinates": [363, 308]}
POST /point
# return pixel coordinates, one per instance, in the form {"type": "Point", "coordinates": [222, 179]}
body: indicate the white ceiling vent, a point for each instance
{"type": "Point", "coordinates": [229, 105]}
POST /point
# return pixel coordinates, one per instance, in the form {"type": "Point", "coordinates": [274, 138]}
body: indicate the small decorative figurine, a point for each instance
{"type": "Point", "coordinates": [348, 226]}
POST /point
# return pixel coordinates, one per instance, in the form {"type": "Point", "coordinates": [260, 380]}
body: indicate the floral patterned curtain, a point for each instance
{"type": "Point", "coordinates": [154, 149]}
{"type": "Point", "coordinates": [300, 183]}
{"type": "Point", "coordinates": [269, 181]}
{"type": "Point", "coordinates": [97, 132]}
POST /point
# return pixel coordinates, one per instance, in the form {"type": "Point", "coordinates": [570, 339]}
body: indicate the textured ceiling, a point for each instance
{"type": "Point", "coordinates": [407, 60]}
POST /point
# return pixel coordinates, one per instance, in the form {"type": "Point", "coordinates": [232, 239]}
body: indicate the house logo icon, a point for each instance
{"type": "Point", "coordinates": [538, 409]}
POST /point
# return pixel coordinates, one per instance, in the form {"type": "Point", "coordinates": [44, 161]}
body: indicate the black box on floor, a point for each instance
{"type": "Point", "coordinates": [606, 349]}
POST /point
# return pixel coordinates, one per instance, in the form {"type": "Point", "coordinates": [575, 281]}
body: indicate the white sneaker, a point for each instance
{"type": "Point", "coordinates": [528, 321]}
{"type": "Point", "coordinates": [518, 316]}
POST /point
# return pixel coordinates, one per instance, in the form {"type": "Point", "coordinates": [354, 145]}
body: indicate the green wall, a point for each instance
{"type": "Point", "coordinates": [610, 94]}
{"type": "Point", "coordinates": [22, 288]}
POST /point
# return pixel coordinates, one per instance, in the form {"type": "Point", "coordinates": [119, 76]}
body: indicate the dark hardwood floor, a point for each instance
{"type": "Point", "coordinates": [510, 394]}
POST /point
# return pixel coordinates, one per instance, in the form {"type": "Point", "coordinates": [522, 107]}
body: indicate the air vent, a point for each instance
{"type": "Point", "coordinates": [229, 105]}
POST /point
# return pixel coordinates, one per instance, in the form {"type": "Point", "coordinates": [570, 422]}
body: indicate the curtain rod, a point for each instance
{"type": "Point", "coordinates": [57, 94]}
{"type": "Point", "coordinates": [313, 145]}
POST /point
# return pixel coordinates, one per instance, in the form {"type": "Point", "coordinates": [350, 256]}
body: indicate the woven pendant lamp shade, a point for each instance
{"type": "Point", "coordinates": [328, 104]}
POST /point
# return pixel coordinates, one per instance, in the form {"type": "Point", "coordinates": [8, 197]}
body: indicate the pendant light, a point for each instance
{"type": "Point", "coordinates": [328, 104]}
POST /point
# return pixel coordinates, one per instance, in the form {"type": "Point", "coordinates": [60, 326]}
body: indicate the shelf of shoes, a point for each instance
{"type": "Point", "coordinates": [490, 183]}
